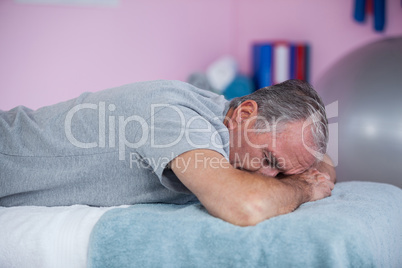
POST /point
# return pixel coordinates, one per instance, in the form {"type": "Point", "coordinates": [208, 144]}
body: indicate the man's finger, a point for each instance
{"type": "Point", "coordinates": [331, 185]}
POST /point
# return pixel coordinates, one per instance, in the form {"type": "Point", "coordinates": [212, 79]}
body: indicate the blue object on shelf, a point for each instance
{"type": "Point", "coordinates": [379, 15]}
{"type": "Point", "coordinates": [292, 59]}
{"type": "Point", "coordinates": [262, 65]}
{"type": "Point", "coordinates": [360, 10]}
{"type": "Point", "coordinates": [240, 86]}
{"type": "Point", "coordinates": [256, 64]}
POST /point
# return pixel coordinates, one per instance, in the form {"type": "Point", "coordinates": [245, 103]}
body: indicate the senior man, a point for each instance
{"type": "Point", "coordinates": [246, 160]}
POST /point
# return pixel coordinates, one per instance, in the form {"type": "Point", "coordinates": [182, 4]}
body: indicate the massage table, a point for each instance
{"type": "Point", "coordinates": [360, 225]}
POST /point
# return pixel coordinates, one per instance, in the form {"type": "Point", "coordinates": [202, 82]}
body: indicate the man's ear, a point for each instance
{"type": "Point", "coordinates": [245, 111]}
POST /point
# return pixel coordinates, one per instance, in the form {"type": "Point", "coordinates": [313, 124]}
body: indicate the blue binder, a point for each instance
{"type": "Point", "coordinates": [262, 65]}
{"type": "Point", "coordinates": [292, 59]}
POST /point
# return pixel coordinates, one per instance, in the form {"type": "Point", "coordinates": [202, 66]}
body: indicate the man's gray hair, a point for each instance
{"type": "Point", "coordinates": [290, 101]}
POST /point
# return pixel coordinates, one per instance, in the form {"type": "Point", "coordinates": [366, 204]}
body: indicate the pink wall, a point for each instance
{"type": "Point", "coordinates": [52, 53]}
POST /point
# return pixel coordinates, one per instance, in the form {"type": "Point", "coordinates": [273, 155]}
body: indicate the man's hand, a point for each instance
{"type": "Point", "coordinates": [326, 166]}
{"type": "Point", "coordinates": [244, 198]}
{"type": "Point", "coordinates": [319, 183]}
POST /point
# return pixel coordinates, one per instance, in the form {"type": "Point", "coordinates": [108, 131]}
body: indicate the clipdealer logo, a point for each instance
{"type": "Point", "coordinates": [146, 130]}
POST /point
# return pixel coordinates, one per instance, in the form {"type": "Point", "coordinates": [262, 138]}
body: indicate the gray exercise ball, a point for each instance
{"type": "Point", "coordinates": [367, 84]}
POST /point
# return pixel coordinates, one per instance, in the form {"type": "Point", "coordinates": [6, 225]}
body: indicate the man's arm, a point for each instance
{"type": "Point", "coordinates": [244, 198]}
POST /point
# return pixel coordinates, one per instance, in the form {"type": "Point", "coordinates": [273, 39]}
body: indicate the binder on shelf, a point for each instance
{"type": "Point", "coordinates": [275, 62]}
{"type": "Point", "coordinates": [300, 62]}
{"type": "Point", "coordinates": [262, 65]}
{"type": "Point", "coordinates": [281, 70]}
{"type": "Point", "coordinates": [292, 61]}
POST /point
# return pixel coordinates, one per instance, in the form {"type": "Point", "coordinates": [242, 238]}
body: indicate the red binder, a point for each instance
{"type": "Point", "coordinates": [300, 62]}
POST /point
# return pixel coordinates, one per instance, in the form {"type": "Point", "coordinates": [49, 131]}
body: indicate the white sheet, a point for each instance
{"type": "Point", "coordinates": [46, 237]}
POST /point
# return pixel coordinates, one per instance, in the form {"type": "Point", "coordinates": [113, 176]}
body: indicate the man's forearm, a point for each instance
{"type": "Point", "coordinates": [287, 197]}
{"type": "Point", "coordinates": [267, 197]}
{"type": "Point", "coordinates": [245, 198]}
{"type": "Point", "coordinates": [261, 197]}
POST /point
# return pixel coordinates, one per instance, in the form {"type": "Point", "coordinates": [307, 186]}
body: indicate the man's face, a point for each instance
{"type": "Point", "coordinates": [269, 153]}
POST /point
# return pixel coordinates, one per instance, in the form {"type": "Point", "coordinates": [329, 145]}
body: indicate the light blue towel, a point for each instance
{"type": "Point", "coordinates": [358, 226]}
